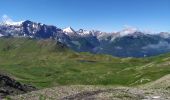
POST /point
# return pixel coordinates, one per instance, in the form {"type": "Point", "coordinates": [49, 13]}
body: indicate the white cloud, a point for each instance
{"type": "Point", "coordinates": [5, 18]}
{"type": "Point", "coordinates": [128, 30]}
{"type": "Point", "coordinates": [160, 45]}
{"type": "Point", "coordinates": [8, 21]}
{"type": "Point", "coordinates": [130, 27]}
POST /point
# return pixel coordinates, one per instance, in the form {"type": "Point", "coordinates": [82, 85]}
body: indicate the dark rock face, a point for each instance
{"type": "Point", "coordinates": [39, 30]}
{"type": "Point", "coordinates": [9, 86]}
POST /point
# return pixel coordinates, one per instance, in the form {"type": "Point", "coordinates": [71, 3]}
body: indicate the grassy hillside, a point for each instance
{"type": "Point", "coordinates": [45, 63]}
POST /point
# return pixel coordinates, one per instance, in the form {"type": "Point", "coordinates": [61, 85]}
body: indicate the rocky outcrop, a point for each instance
{"type": "Point", "coordinates": [9, 86]}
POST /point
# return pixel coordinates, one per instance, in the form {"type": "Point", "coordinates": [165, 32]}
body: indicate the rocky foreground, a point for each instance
{"type": "Point", "coordinates": [10, 89]}
{"type": "Point", "coordinates": [95, 93]}
{"type": "Point", "coordinates": [158, 90]}
{"type": "Point", "coordinates": [9, 86]}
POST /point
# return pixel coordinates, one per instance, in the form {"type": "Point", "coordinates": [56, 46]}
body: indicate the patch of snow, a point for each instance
{"type": "Point", "coordinates": [33, 26]}
{"type": "Point", "coordinates": [85, 32]}
{"type": "Point", "coordinates": [68, 30]}
{"type": "Point", "coordinates": [156, 97]}
{"type": "Point", "coordinates": [1, 35]}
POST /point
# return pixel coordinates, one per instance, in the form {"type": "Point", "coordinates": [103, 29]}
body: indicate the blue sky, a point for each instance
{"type": "Point", "coordinates": [104, 15]}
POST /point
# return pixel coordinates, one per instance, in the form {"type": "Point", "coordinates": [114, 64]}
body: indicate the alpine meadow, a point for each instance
{"type": "Point", "coordinates": [93, 58]}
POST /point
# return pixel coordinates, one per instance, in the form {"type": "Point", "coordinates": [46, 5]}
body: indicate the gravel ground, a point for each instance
{"type": "Point", "coordinates": [157, 90]}
{"type": "Point", "coordinates": [96, 93]}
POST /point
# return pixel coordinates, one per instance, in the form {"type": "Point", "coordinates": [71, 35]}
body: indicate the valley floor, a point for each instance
{"type": "Point", "coordinates": [45, 64]}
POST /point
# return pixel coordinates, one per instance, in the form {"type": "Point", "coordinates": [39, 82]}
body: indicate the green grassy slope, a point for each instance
{"type": "Point", "coordinates": [45, 63]}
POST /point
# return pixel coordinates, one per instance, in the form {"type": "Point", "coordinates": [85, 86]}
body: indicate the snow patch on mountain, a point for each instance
{"type": "Point", "coordinates": [68, 30]}
{"type": "Point", "coordinates": [84, 33]}
{"type": "Point", "coordinates": [128, 30]}
{"type": "Point", "coordinates": [1, 35]}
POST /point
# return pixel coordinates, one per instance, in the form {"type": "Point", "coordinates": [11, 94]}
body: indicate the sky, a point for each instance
{"type": "Point", "coordinates": [104, 15]}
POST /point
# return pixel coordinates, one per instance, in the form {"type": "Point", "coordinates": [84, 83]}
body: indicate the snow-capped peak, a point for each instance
{"type": "Point", "coordinates": [8, 21]}
{"type": "Point", "coordinates": [68, 30]}
{"type": "Point", "coordinates": [128, 30]}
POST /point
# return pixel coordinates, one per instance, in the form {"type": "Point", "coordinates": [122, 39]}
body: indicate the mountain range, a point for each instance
{"type": "Point", "coordinates": [129, 42]}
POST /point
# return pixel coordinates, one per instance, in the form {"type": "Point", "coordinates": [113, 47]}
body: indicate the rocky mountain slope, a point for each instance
{"type": "Point", "coordinates": [129, 42]}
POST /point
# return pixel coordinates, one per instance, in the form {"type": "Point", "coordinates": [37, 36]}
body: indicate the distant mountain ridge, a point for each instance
{"type": "Point", "coordinates": [129, 42]}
